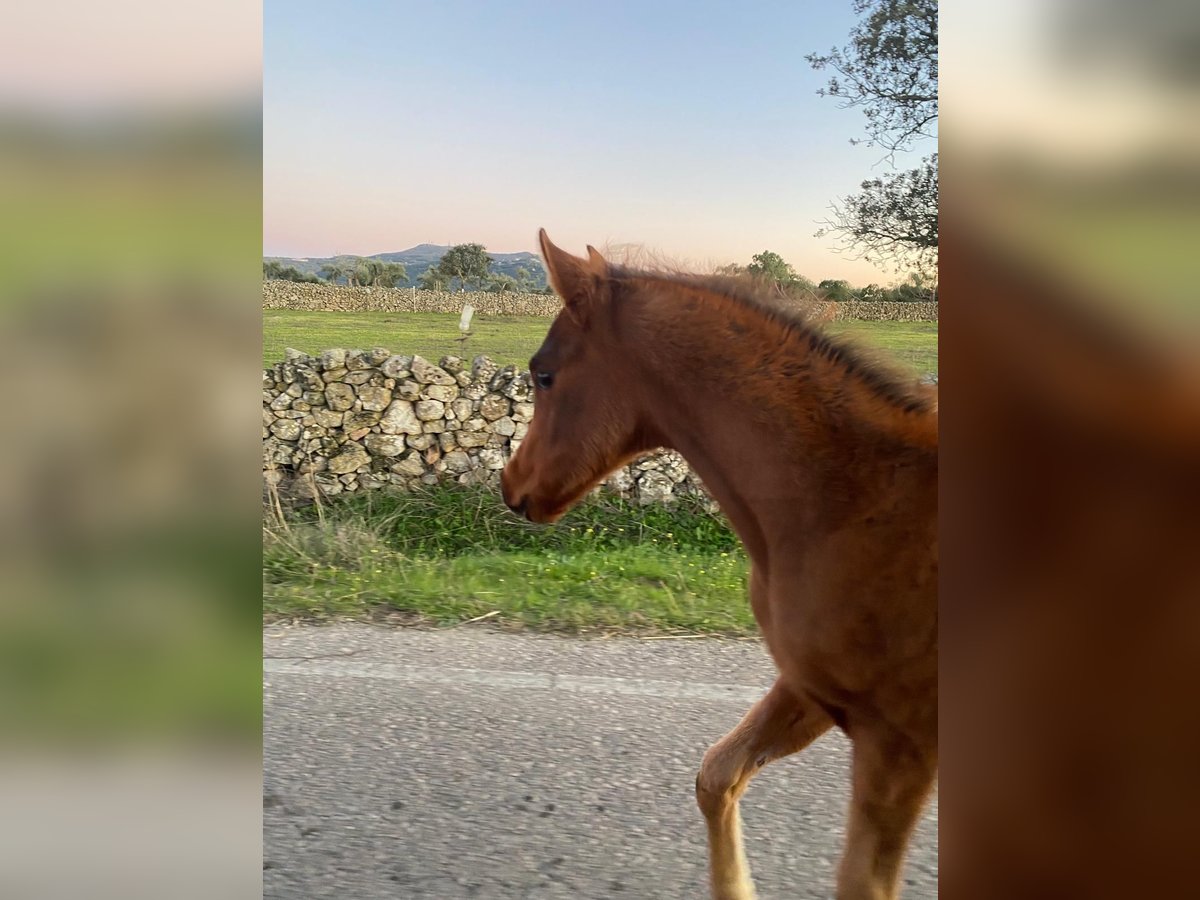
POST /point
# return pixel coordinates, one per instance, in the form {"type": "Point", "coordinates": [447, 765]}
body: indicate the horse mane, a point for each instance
{"type": "Point", "coordinates": [765, 298]}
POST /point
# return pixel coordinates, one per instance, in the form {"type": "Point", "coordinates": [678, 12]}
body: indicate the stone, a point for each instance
{"type": "Point", "coordinates": [409, 390]}
{"type": "Point", "coordinates": [482, 369]}
{"type": "Point", "coordinates": [426, 372]}
{"type": "Point", "coordinates": [313, 464]}
{"type": "Point", "coordinates": [359, 377]}
{"type": "Point", "coordinates": [333, 375]}
{"type": "Point", "coordinates": [420, 441]}
{"type": "Point", "coordinates": [520, 430]}
{"type": "Point", "coordinates": [314, 398]}
{"type": "Point", "coordinates": [505, 426]}
{"type": "Point", "coordinates": [385, 444]}
{"type": "Point", "coordinates": [502, 377]}
{"type": "Point", "coordinates": [429, 410]}
{"type": "Point", "coordinates": [327, 418]}
{"type": "Point", "coordinates": [329, 486]}
{"type": "Point", "coordinates": [411, 465]}
{"type": "Point", "coordinates": [437, 426]}
{"type": "Point", "coordinates": [654, 487]}
{"type": "Point", "coordinates": [377, 356]}
{"type": "Point", "coordinates": [400, 418]}
{"type": "Point", "coordinates": [475, 391]}
{"type": "Point", "coordinates": [340, 397]}
{"type": "Point", "coordinates": [333, 359]}
{"type": "Point", "coordinates": [276, 451]}
{"type": "Point", "coordinates": [471, 438]}
{"type": "Point", "coordinates": [283, 401]}
{"type": "Point", "coordinates": [356, 359]}
{"type": "Point", "coordinates": [493, 406]}
{"type": "Point", "coordinates": [292, 354]}
{"type": "Point", "coordinates": [352, 457]}
{"type": "Point", "coordinates": [621, 480]}
{"type": "Point", "coordinates": [518, 388]}
{"type": "Point", "coordinates": [370, 482]}
{"type": "Point", "coordinates": [522, 411]}
{"type": "Point", "coordinates": [447, 440]}
{"type": "Point", "coordinates": [451, 364]}
{"type": "Point", "coordinates": [363, 418]}
{"type": "Point", "coordinates": [358, 434]}
{"type": "Point", "coordinates": [443, 392]}
{"type": "Point", "coordinates": [294, 390]}
{"type": "Point", "coordinates": [397, 366]}
{"type": "Point", "coordinates": [462, 408]}
{"type": "Point", "coordinates": [492, 458]}
{"type": "Point", "coordinates": [457, 461]}
{"type": "Point", "coordinates": [374, 398]}
{"type": "Point", "coordinates": [286, 429]}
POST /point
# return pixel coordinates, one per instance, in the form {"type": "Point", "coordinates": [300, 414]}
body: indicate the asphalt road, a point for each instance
{"type": "Point", "coordinates": [468, 763]}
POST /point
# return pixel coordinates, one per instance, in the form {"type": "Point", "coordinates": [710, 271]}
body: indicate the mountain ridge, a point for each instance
{"type": "Point", "coordinates": [421, 257]}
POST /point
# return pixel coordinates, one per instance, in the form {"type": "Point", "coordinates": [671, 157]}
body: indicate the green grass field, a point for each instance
{"type": "Point", "coordinates": [451, 554]}
{"type": "Point", "coordinates": [514, 339]}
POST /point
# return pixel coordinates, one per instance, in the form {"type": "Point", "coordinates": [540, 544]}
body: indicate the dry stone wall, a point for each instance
{"type": "Point", "coordinates": [299, 296]}
{"type": "Point", "coordinates": [296, 295]}
{"type": "Point", "coordinates": [362, 420]}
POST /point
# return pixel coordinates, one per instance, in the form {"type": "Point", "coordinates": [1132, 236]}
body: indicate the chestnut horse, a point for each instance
{"type": "Point", "coordinates": [826, 466]}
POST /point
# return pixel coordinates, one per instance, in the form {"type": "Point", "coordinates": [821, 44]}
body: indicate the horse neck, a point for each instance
{"type": "Point", "coordinates": [780, 441]}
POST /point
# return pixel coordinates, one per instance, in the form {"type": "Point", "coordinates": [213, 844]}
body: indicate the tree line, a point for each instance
{"type": "Point", "coordinates": [463, 267]}
{"type": "Point", "coordinates": [769, 266]}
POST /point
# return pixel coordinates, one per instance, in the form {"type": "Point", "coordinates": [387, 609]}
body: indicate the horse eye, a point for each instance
{"type": "Point", "coordinates": [544, 379]}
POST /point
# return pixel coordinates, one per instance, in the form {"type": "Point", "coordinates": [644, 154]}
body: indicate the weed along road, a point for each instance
{"type": "Point", "coordinates": [468, 763]}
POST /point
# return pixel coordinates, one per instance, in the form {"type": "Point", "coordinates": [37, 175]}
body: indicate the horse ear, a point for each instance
{"type": "Point", "coordinates": [598, 262]}
{"type": "Point", "coordinates": [572, 278]}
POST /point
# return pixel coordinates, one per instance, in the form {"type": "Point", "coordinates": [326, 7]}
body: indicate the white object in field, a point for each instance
{"type": "Point", "coordinates": [464, 324]}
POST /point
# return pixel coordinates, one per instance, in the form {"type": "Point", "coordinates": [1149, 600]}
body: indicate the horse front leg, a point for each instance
{"type": "Point", "coordinates": [779, 724]}
{"type": "Point", "coordinates": [893, 776]}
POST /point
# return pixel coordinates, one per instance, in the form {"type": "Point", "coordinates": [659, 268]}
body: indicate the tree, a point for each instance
{"type": "Point", "coordinates": [432, 279]}
{"type": "Point", "coordinates": [889, 70]}
{"type": "Point", "coordinates": [333, 271]}
{"type": "Point", "coordinates": [894, 217]}
{"type": "Point", "coordinates": [392, 275]}
{"type": "Point", "coordinates": [469, 263]}
{"type": "Point", "coordinates": [276, 271]}
{"type": "Point", "coordinates": [500, 282]}
{"type": "Point", "coordinates": [770, 265]}
{"type": "Point", "coordinates": [837, 290]}
{"type": "Point", "coordinates": [524, 279]}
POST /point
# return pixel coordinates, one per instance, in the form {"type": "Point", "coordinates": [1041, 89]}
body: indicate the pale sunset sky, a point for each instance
{"type": "Point", "coordinates": [690, 129]}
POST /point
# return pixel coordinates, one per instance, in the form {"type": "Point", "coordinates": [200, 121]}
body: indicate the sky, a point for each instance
{"type": "Point", "coordinates": [690, 129]}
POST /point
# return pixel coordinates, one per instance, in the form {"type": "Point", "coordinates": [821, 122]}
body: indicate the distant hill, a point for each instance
{"type": "Point", "coordinates": [423, 256]}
